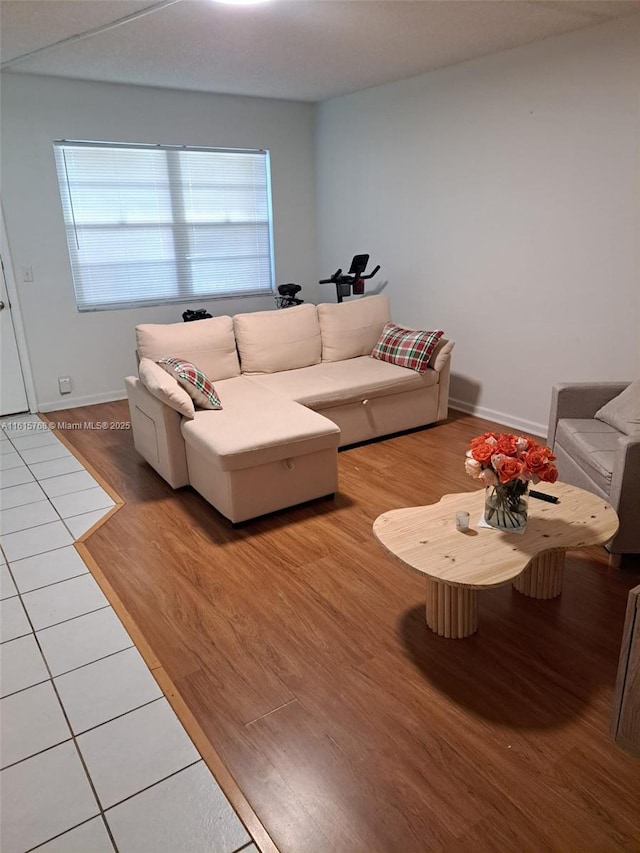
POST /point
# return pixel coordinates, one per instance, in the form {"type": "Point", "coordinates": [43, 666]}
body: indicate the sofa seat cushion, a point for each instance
{"type": "Point", "coordinates": [270, 341]}
{"type": "Point", "coordinates": [592, 444]}
{"type": "Point", "coordinates": [256, 427]}
{"type": "Point", "coordinates": [351, 329]}
{"type": "Point", "coordinates": [209, 344]}
{"type": "Point", "coordinates": [334, 383]}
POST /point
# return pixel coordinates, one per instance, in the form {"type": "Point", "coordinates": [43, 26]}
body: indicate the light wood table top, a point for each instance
{"type": "Point", "coordinates": [425, 538]}
{"type": "Point", "coordinates": [458, 564]}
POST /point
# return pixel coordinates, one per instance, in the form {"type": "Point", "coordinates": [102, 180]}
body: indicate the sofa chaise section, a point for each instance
{"type": "Point", "coordinates": [260, 453]}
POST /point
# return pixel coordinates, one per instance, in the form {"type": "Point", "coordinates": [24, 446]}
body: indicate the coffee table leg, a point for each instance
{"type": "Point", "coordinates": [543, 576]}
{"type": "Point", "coordinates": [452, 611]}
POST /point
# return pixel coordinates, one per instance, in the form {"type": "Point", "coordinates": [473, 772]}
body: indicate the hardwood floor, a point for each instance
{"type": "Point", "coordinates": [301, 649]}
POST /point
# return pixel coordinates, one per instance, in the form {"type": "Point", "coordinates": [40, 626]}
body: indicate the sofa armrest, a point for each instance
{"type": "Point", "coordinates": [441, 355]}
{"type": "Point", "coordinates": [625, 494]}
{"type": "Point", "coordinates": [156, 433]}
{"type": "Point", "coordinates": [579, 400]}
{"type": "Point", "coordinates": [442, 365]}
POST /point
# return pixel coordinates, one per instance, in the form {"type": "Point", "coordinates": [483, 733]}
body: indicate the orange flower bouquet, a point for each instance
{"type": "Point", "coordinates": [507, 464]}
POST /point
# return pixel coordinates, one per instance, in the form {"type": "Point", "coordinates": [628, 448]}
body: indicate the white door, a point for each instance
{"type": "Point", "coordinates": [13, 396]}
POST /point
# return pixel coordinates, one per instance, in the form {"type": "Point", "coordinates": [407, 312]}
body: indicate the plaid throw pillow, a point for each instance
{"type": "Point", "coordinates": [194, 382]}
{"type": "Point", "coordinates": [406, 347]}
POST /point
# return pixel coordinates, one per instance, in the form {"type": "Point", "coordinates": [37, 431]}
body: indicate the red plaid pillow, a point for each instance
{"type": "Point", "coordinates": [406, 347]}
{"type": "Point", "coordinates": [194, 382]}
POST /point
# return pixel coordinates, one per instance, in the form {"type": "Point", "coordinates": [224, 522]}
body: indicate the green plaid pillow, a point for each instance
{"type": "Point", "coordinates": [193, 380]}
{"type": "Point", "coordinates": [406, 347]}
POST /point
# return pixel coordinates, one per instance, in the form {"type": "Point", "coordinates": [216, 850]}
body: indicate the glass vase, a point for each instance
{"type": "Point", "coordinates": [506, 505]}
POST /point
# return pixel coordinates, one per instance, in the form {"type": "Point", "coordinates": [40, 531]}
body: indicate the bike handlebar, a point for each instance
{"type": "Point", "coordinates": [371, 274]}
{"type": "Point", "coordinates": [347, 279]}
{"type": "Point", "coordinates": [333, 278]}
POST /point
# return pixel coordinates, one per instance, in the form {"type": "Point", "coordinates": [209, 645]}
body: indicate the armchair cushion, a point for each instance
{"type": "Point", "coordinates": [623, 411]}
{"type": "Point", "coordinates": [593, 445]}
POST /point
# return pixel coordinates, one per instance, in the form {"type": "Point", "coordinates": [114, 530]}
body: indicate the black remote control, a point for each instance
{"type": "Point", "coordinates": [552, 499]}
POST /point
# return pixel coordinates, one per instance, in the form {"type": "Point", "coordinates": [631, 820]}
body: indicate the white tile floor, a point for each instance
{"type": "Point", "coordinates": [92, 757]}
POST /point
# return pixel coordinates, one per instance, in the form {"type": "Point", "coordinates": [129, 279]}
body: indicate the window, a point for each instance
{"type": "Point", "coordinates": [149, 224]}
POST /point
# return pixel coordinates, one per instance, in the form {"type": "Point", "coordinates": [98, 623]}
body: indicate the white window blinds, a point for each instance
{"type": "Point", "coordinates": [151, 224]}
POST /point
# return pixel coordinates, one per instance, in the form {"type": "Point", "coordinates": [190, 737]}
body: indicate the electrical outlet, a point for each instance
{"type": "Point", "coordinates": [27, 273]}
{"type": "Point", "coordinates": [64, 384]}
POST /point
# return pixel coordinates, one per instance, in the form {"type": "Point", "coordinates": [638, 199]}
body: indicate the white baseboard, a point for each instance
{"type": "Point", "coordinates": [534, 429]}
{"type": "Point", "coordinates": [76, 402]}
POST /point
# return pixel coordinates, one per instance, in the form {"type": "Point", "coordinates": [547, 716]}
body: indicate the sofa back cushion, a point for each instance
{"type": "Point", "coordinates": [623, 412]}
{"type": "Point", "coordinates": [351, 329]}
{"type": "Point", "coordinates": [209, 344]}
{"type": "Point", "coordinates": [270, 341]}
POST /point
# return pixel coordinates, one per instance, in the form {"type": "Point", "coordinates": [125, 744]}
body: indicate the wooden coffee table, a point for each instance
{"type": "Point", "coordinates": [458, 564]}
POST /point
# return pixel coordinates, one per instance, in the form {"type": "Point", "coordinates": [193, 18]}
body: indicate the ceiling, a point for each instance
{"type": "Point", "coordinates": [305, 50]}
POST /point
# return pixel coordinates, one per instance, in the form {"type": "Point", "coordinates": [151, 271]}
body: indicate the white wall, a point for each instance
{"type": "Point", "coordinates": [96, 349]}
{"type": "Point", "coordinates": [501, 198]}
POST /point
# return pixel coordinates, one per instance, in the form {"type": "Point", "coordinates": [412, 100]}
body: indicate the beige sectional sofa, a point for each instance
{"type": "Point", "coordinates": [294, 384]}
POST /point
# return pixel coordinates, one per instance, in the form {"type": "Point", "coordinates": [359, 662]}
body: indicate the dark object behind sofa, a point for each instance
{"type": "Point", "coordinates": [198, 314]}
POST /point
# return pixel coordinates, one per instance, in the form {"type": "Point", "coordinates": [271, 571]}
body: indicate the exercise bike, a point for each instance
{"type": "Point", "coordinates": [353, 281]}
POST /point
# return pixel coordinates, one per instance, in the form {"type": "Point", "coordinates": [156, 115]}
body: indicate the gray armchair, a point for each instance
{"type": "Point", "coordinates": [595, 456]}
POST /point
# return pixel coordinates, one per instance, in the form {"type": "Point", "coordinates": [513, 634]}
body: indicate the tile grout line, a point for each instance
{"type": "Point", "coordinates": [28, 465]}
{"type": "Point", "coordinates": [48, 497]}
{"type": "Point", "coordinates": [156, 783]}
{"type": "Point", "coordinates": [53, 583]}
{"type": "Point", "coordinates": [118, 716]}
{"type": "Point", "coordinates": [40, 751]}
{"type": "Point", "coordinates": [66, 832]}
{"type": "Point", "coordinates": [86, 465]}
{"type": "Point", "coordinates": [67, 671]}
{"type": "Point", "coordinates": [38, 480]}
{"type": "Point", "coordinates": [20, 506]}
{"type": "Point", "coordinates": [82, 666]}
{"type": "Point", "coordinates": [37, 553]}
{"type": "Point", "coordinates": [73, 737]}
{"type": "Point", "coordinates": [51, 678]}
{"type": "Point", "coordinates": [62, 518]}
{"type": "Point", "coordinates": [32, 482]}
{"type": "Point", "coordinates": [84, 767]}
{"type": "Point", "coordinates": [52, 476]}
{"type": "Point", "coordinates": [71, 618]}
